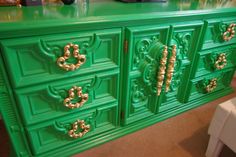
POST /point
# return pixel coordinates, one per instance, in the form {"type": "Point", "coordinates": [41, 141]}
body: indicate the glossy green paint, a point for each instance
{"type": "Point", "coordinates": [123, 44]}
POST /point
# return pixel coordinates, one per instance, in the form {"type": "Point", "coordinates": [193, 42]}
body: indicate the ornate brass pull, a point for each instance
{"type": "Point", "coordinates": [75, 127]}
{"type": "Point", "coordinates": [83, 98]}
{"type": "Point", "coordinates": [171, 67]}
{"type": "Point", "coordinates": [161, 73]}
{"type": "Point", "coordinates": [61, 62]}
{"type": "Point", "coordinates": [221, 61]}
{"type": "Point", "coordinates": [229, 34]}
{"type": "Point", "coordinates": [212, 85]}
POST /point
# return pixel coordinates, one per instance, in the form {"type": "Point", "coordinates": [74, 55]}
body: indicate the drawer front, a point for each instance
{"type": "Point", "coordinates": [216, 59]}
{"type": "Point", "coordinates": [52, 100]}
{"type": "Point", "coordinates": [62, 132]}
{"type": "Point", "coordinates": [219, 32]}
{"type": "Point", "coordinates": [46, 58]}
{"type": "Point", "coordinates": [211, 84]}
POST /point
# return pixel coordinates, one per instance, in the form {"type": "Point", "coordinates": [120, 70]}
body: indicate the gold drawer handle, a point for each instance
{"type": "Point", "coordinates": [161, 73]}
{"type": "Point", "coordinates": [170, 70]}
{"type": "Point", "coordinates": [78, 125]}
{"type": "Point", "coordinates": [83, 98]}
{"type": "Point", "coordinates": [212, 85]}
{"type": "Point", "coordinates": [61, 62]}
{"type": "Point", "coordinates": [221, 61]}
{"type": "Point", "coordinates": [229, 34]}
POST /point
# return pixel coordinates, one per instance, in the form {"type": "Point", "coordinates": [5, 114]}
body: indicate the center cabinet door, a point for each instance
{"type": "Point", "coordinates": [157, 77]}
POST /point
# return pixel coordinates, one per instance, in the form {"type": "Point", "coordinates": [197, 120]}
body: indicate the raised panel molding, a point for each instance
{"type": "Point", "coordinates": [53, 49]}
{"type": "Point", "coordinates": [148, 54]}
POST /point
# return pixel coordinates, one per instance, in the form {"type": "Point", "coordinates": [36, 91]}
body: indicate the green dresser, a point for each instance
{"type": "Point", "coordinates": [73, 77]}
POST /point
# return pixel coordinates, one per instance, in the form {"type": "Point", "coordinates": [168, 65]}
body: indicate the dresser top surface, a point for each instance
{"type": "Point", "coordinates": [84, 12]}
{"type": "Point", "coordinates": [105, 8]}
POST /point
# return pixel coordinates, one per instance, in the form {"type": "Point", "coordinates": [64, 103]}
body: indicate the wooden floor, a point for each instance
{"type": "Point", "coordinates": [182, 136]}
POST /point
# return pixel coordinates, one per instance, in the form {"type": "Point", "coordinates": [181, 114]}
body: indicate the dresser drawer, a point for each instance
{"type": "Point", "coordinates": [57, 133]}
{"type": "Point", "coordinates": [219, 32]}
{"type": "Point", "coordinates": [215, 59]}
{"type": "Point", "coordinates": [45, 58]}
{"type": "Point", "coordinates": [211, 84]}
{"type": "Point", "coordinates": [52, 100]}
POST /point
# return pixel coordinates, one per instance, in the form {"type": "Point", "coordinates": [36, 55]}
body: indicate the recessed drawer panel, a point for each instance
{"type": "Point", "coordinates": [220, 32]}
{"type": "Point", "coordinates": [76, 129]}
{"type": "Point", "coordinates": [216, 60]}
{"type": "Point", "coordinates": [214, 83]}
{"type": "Point", "coordinates": [46, 58]}
{"type": "Point", "coordinates": [49, 101]}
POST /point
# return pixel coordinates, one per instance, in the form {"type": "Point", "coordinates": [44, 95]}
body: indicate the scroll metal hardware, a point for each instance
{"type": "Point", "coordinates": [229, 33]}
{"type": "Point", "coordinates": [83, 98]}
{"type": "Point", "coordinates": [212, 85]}
{"type": "Point", "coordinates": [161, 73]}
{"type": "Point", "coordinates": [221, 61]}
{"type": "Point", "coordinates": [61, 62]}
{"type": "Point", "coordinates": [170, 69]}
{"type": "Point", "coordinates": [78, 125]}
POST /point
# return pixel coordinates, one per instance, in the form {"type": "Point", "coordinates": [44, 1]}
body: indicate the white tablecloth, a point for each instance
{"type": "Point", "coordinates": [222, 129]}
